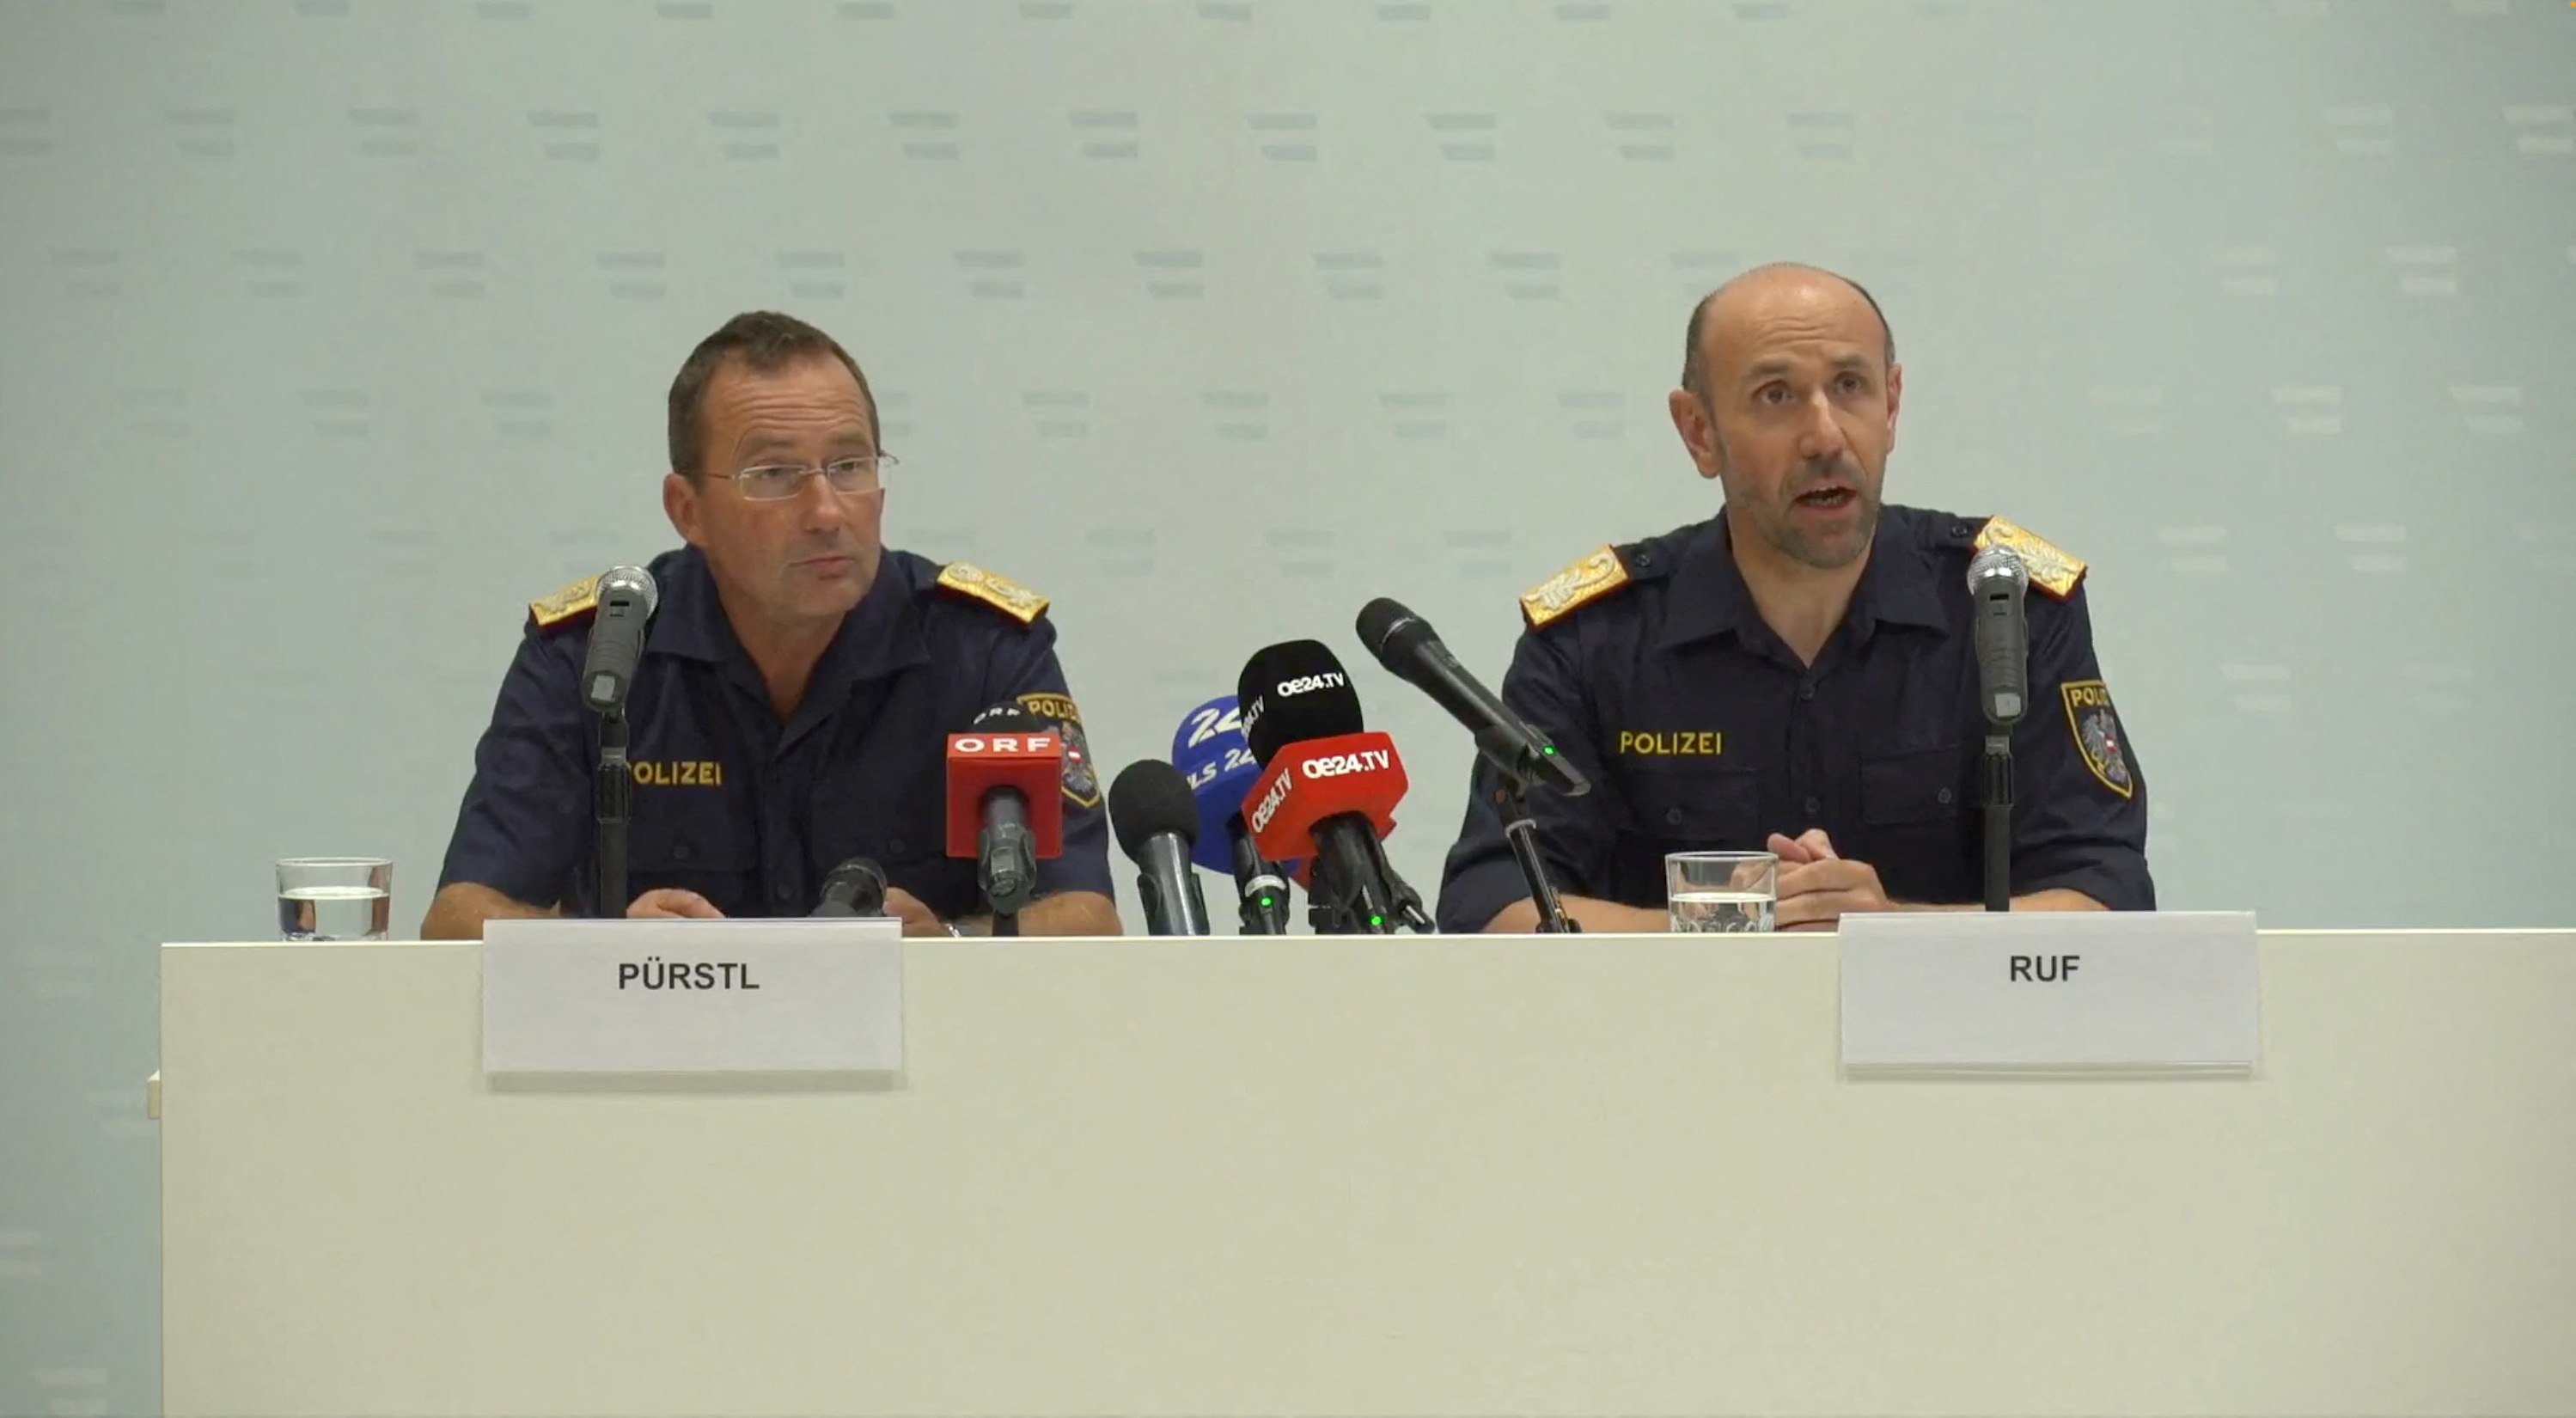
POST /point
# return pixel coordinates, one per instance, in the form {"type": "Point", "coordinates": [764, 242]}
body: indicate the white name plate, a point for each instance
{"type": "Point", "coordinates": [780, 996]}
{"type": "Point", "coordinates": [2050, 990]}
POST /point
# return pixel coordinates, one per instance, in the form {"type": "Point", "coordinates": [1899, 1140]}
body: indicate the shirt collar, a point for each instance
{"type": "Point", "coordinates": [1709, 596]}
{"type": "Point", "coordinates": [1898, 587]}
{"type": "Point", "coordinates": [879, 635]}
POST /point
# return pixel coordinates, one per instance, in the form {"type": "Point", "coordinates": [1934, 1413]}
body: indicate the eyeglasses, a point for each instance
{"type": "Point", "coordinates": [777, 482]}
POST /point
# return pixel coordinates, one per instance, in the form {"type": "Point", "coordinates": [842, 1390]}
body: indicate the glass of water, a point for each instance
{"type": "Point", "coordinates": [334, 898]}
{"type": "Point", "coordinates": [1721, 891]}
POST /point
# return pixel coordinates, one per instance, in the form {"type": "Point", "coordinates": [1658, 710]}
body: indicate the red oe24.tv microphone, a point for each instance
{"type": "Point", "coordinates": [1328, 788]}
{"type": "Point", "coordinates": [1004, 806]}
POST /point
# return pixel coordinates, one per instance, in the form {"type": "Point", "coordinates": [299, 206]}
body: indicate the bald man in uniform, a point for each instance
{"type": "Point", "coordinates": [1798, 673]}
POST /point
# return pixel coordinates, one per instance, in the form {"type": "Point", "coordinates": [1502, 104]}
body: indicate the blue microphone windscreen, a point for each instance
{"type": "Point", "coordinates": [1210, 751]}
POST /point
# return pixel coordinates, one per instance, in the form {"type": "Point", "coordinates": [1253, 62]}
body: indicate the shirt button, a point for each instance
{"type": "Point", "coordinates": [1673, 816]}
{"type": "Point", "coordinates": [781, 891]}
{"type": "Point", "coordinates": [1814, 807]}
{"type": "Point", "coordinates": [1806, 691]}
{"type": "Point", "coordinates": [895, 845]}
{"type": "Point", "coordinates": [1945, 795]}
{"type": "Point", "coordinates": [680, 852]}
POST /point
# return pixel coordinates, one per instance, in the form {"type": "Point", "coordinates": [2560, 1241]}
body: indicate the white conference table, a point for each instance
{"type": "Point", "coordinates": [1605, 1175]}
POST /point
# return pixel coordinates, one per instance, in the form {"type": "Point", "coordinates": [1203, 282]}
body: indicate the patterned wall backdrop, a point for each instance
{"type": "Point", "coordinates": [332, 331]}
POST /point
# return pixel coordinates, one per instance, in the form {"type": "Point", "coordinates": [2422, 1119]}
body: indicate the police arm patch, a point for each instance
{"type": "Point", "coordinates": [2096, 726]}
{"type": "Point", "coordinates": [1081, 777]}
{"type": "Point", "coordinates": [1009, 597]}
{"type": "Point", "coordinates": [567, 606]}
{"type": "Point", "coordinates": [2051, 570]}
{"type": "Point", "coordinates": [1588, 580]}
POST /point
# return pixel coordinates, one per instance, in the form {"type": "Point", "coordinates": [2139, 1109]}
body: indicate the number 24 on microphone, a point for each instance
{"type": "Point", "coordinates": [1214, 769]}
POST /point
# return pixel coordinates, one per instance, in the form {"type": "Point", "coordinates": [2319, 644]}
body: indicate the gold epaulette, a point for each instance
{"type": "Point", "coordinates": [1009, 597]}
{"type": "Point", "coordinates": [2051, 570]}
{"type": "Point", "coordinates": [566, 606]}
{"type": "Point", "coordinates": [1595, 576]}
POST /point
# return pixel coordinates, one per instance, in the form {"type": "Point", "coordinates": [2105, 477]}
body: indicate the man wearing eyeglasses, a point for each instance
{"type": "Point", "coordinates": [799, 682]}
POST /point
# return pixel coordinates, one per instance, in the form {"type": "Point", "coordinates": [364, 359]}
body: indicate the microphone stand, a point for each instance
{"type": "Point", "coordinates": [1999, 806]}
{"type": "Point", "coordinates": [1261, 892]}
{"type": "Point", "coordinates": [612, 792]}
{"type": "Point", "coordinates": [1352, 896]}
{"type": "Point", "coordinates": [1519, 773]}
{"type": "Point", "coordinates": [1521, 830]}
{"type": "Point", "coordinates": [1408, 902]}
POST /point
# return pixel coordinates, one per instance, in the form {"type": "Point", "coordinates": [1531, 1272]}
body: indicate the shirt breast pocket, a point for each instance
{"type": "Point", "coordinates": [702, 851]}
{"type": "Point", "coordinates": [1700, 806]}
{"type": "Point", "coordinates": [1924, 788]}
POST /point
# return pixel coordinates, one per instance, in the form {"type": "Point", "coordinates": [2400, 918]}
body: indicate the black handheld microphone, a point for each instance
{"type": "Point", "coordinates": [1407, 645]}
{"type": "Point", "coordinates": [1290, 693]}
{"type": "Point", "coordinates": [1997, 580]}
{"type": "Point", "coordinates": [626, 600]}
{"type": "Point", "coordinates": [1157, 822]}
{"type": "Point", "coordinates": [856, 887]}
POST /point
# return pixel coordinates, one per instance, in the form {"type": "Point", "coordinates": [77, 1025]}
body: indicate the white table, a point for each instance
{"type": "Point", "coordinates": [1611, 1175]}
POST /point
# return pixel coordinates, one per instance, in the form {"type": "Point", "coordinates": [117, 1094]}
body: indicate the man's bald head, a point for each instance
{"type": "Point", "coordinates": [1695, 363]}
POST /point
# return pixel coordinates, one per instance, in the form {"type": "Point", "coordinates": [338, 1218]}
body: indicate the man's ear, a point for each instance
{"type": "Point", "coordinates": [1895, 398]}
{"type": "Point", "coordinates": [680, 504]}
{"type": "Point", "coordinates": [1698, 431]}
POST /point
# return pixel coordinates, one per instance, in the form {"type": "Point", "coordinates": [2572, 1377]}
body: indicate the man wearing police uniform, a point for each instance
{"type": "Point", "coordinates": [1799, 673]}
{"type": "Point", "coordinates": [798, 684]}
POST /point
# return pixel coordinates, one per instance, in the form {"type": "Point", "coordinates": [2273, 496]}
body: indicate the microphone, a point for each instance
{"type": "Point", "coordinates": [1211, 754]}
{"type": "Point", "coordinates": [1997, 579]}
{"type": "Point", "coordinates": [1291, 691]}
{"type": "Point", "coordinates": [856, 887]}
{"type": "Point", "coordinates": [1004, 807]}
{"type": "Point", "coordinates": [1329, 787]}
{"type": "Point", "coordinates": [1157, 822]}
{"type": "Point", "coordinates": [626, 597]}
{"type": "Point", "coordinates": [1410, 649]}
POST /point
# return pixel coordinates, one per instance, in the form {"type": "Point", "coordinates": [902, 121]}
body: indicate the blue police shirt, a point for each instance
{"type": "Point", "coordinates": [741, 808]}
{"type": "Point", "coordinates": [1700, 730]}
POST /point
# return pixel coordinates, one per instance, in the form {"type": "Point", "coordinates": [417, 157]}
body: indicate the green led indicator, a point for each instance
{"type": "Point", "coordinates": [1547, 750]}
{"type": "Point", "coordinates": [1376, 920]}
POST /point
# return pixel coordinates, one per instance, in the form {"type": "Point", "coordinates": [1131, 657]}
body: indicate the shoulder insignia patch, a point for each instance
{"type": "Point", "coordinates": [2096, 726]}
{"type": "Point", "coordinates": [1588, 580]}
{"type": "Point", "coordinates": [1081, 777]}
{"type": "Point", "coordinates": [2051, 570]}
{"type": "Point", "coordinates": [1009, 597]}
{"type": "Point", "coordinates": [566, 606]}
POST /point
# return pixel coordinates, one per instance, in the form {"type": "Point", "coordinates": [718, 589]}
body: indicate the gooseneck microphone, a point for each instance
{"type": "Point", "coordinates": [625, 598]}
{"type": "Point", "coordinates": [1522, 757]}
{"type": "Point", "coordinates": [1411, 650]}
{"type": "Point", "coordinates": [1997, 582]}
{"type": "Point", "coordinates": [1157, 823]}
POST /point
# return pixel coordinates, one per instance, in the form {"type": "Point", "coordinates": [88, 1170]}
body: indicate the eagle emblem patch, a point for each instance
{"type": "Point", "coordinates": [1081, 776]}
{"type": "Point", "coordinates": [2096, 726]}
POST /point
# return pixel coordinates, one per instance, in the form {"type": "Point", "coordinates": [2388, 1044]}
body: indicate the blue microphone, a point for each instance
{"type": "Point", "coordinates": [1214, 756]}
{"type": "Point", "coordinates": [1210, 750]}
